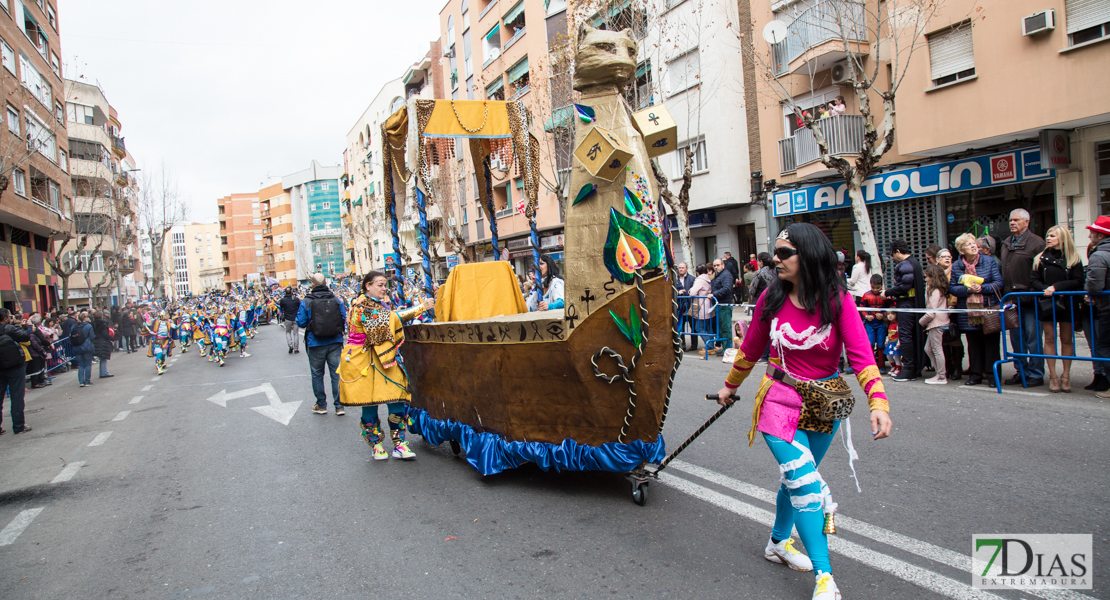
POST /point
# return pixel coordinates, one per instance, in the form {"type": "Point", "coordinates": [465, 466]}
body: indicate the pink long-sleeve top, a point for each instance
{"type": "Point", "coordinates": [806, 351]}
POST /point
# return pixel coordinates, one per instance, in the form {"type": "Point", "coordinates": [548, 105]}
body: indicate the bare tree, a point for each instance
{"type": "Point", "coordinates": [94, 222]}
{"type": "Point", "coordinates": [160, 207]}
{"type": "Point", "coordinates": [896, 28]}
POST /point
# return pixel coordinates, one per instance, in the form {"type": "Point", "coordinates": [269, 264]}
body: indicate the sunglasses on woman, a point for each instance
{"type": "Point", "coordinates": [785, 252]}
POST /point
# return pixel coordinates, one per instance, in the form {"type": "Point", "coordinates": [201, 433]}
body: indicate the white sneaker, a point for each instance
{"type": "Point", "coordinates": [401, 450]}
{"type": "Point", "coordinates": [784, 553]}
{"type": "Point", "coordinates": [938, 380]}
{"type": "Point", "coordinates": [825, 588]}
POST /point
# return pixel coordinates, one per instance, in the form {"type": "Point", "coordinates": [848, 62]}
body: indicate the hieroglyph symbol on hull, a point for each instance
{"type": "Point", "coordinates": [587, 298]}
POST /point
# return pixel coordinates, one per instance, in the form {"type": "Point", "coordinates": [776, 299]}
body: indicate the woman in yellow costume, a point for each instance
{"type": "Point", "coordinates": [371, 372]}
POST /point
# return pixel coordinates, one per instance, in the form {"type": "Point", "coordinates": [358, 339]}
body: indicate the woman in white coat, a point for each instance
{"type": "Point", "coordinates": [859, 283]}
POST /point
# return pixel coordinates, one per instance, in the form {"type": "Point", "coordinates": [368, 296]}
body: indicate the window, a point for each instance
{"type": "Point", "coordinates": [200, 250]}
{"type": "Point", "coordinates": [40, 137]}
{"type": "Point", "coordinates": [60, 112]}
{"type": "Point", "coordinates": [685, 71]}
{"type": "Point", "coordinates": [80, 113]}
{"type": "Point", "coordinates": [52, 17]}
{"type": "Point", "coordinates": [311, 207]}
{"type": "Point", "coordinates": [639, 95]}
{"type": "Point", "coordinates": [208, 236]}
{"type": "Point", "coordinates": [315, 226]}
{"type": "Point", "coordinates": [324, 186]}
{"type": "Point", "coordinates": [951, 56]}
{"type": "Point", "coordinates": [55, 196]}
{"type": "Point", "coordinates": [258, 253]}
{"type": "Point", "coordinates": [19, 182]}
{"type": "Point", "coordinates": [326, 204]}
{"type": "Point", "coordinates": [13, 120]}
{"type": "Point", "coordinates": [701, 157]}
{"type": "Point", "coordinates": [1088, 20]}
{"type": "Point", "coordinates": [35, 82]}
{"type": "Point", "coordinates": [257, 237]}
{"type": "Point", "coordinates": [491, 44]}
{"type": "Point", "coordinates": [55, 64]}
{"type": "Point", "coordinates": [62, 162]}
{"type": "Point", "coordinates": [496, 89]}
{"type": "Point", "coordinates": [8, 56]}
{"type": "Point", "coordinates": [210, 251]}
{"type": "Point", "coordinates": [257, 221]}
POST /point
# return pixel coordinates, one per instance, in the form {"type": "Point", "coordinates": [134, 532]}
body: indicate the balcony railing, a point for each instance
{"type": "Point", "coordinates": [824, 22]}
{"type": "Point", "coordinates": [520, 92]}
{"type": "Point", "coordinates": [843, 133]}
{"type": "Point", "coordinates": [267, 230]}
{"type": "Point", "coordinates": [119, 146]}
{"type": "Point", "coordinates": [788, 162]}
{"type": "Point", "coordinates": [516, 36]}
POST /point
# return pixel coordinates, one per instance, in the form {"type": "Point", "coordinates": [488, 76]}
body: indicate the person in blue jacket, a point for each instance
{"type": "Point", "coordinates": [982, 348]}
{"type": "Point", "coordinates": [322, 351]}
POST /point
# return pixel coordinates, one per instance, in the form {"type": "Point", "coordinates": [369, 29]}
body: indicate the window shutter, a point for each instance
{"type": "Point", "coordinates": [1084, 14]}
{"type": "Point", "coordinates": [951, 52]}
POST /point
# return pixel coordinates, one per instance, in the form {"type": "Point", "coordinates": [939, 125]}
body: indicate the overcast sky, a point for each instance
{"type": "Point", "coordinates": [229, 92]}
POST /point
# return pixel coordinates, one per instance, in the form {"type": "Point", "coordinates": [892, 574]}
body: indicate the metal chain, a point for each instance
{"type": "Point", "coordinates": [463, 125]}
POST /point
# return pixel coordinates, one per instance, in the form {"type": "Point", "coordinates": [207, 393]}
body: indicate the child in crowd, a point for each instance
{"type": "Point", "coordinates": [893, 346]}
{"type": "Point", "coordinates": [934, 323]}
{"type": "Point", "coordinates": [739, 330]}
{"type": "Point", "coordinates": [875, 322]}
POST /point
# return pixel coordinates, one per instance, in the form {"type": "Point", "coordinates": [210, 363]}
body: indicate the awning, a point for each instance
{"type": "Point", "coordinates": [514, 12]}
{"type": "Point", "coordinates": [492, 32]}
{"type": "Point", "coordinates": [561, 117]}
{"type": "Point", "coordinates": [518, 70]}
{"type": "Point", "coordinates": [495, 87]}
{"type": "Point", "coordinates": [643, 68]}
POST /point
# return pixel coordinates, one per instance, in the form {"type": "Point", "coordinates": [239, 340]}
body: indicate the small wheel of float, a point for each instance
{"type": "Point", "coordinates": [455, 448]}
{"type": "Point", "coordinates": [639, 494]}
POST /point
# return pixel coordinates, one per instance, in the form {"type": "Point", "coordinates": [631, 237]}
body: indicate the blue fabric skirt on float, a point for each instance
{"type": "Point", "coordinates": [490, 454]}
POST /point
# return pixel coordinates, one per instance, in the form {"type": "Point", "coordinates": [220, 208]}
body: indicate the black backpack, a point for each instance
{"type": "Point", "coordinates": [76, 336]}
{"type": "Point", "coordinates": [327, 319]}
{"type": "Point", "coordinates": [11, 352]}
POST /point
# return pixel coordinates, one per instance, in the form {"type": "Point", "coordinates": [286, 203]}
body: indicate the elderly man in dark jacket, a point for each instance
{"type": "Point", "coordinates": [1017, 255]}
{"type": "Point", "coordinates": [908, 291]}
{"type": "Point", "coordinates": [721, 288]}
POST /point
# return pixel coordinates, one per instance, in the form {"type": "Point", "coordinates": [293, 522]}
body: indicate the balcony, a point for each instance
{"type": "Point", "coordinates": [516, 36]}
{"type": "Point", "coordinates": [818, 35]}
{"type": "Point", "coordinates": [118, 147]}
{"type": "Point", "coordinates": [265, 213]}
{"type": "Point", "coordinates": [126, 266]}
{"type": "Point", "coordinates": [267, 231]}
{"type": "Point", "coordinates": [843, 133]}
{"type": "Point", "coordinates": [520, 93]}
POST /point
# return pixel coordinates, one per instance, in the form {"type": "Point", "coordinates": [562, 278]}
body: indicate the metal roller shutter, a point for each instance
{"type": "Point", "coordinates": [1084, 14]}
{"type": "Point", "coordinates": [951, 52]}
{"type": "Point", "coordinates": [913, 220]}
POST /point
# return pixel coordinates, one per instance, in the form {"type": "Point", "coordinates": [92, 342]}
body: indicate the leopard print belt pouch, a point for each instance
{"type": "Point", "coordinates": [823, 400]}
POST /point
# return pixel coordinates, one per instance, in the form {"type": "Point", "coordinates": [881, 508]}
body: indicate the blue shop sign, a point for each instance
{"type": "Point", "coordinates": [452, 261]}
{"type": "Point", "coordinates": [1003, 168]}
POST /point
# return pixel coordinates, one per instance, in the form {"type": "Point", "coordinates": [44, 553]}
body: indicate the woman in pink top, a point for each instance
{"type": "Point", "coordinates": [807, 317]}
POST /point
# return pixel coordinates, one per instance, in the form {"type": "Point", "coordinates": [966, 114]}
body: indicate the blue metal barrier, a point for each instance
{"type": "Point", "coordinates": [690, 308]}
{"type": "Point", "coordinates": [1074, 307]}
{"type": "Point", "coordinates": [62, 354]}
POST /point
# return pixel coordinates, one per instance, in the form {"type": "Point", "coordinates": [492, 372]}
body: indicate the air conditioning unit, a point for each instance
{"type": "Point", "coordinates": [449, 52]}
{"type": "Point", "coordinates": [839, 72]}
{"type": "Point", "coordinates": [495, 163]}
{"type": "Point", "coordinates": [451, 221]}
{"type": "Point", "coordinates": [1038, 22]}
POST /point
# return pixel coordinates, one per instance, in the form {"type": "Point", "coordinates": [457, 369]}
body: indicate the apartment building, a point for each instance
{"type": "Point", "coordinates": [367, 236]}
{"type": "Point", "coordinates": [35, 201]}
{"type": "Point", "coordinates": [314, 207]}
{"type": "Point", "coordinates": [277, 234]}
{"type": "Point", "coordinates": [688, 62]}
{"type": "Point", "coordinates": [105, 212]}
{"type": "Point", "coordinates": [997, 113]}
{"type": "Point", "coordinates": [491, 50]}
{"type": "Point", "coordinates": [241, 245]}
{"type": "Point", "coordinates": [192, 255]}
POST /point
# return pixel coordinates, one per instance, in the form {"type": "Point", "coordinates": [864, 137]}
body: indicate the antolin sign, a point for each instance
{"type": "Point", "coordinates": [1014, 166]}
{"type": "Point", "coordinates": [1032, 561]}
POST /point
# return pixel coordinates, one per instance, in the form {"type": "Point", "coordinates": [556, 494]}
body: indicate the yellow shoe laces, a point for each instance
{"type": "Point", "coordinates": [823, 581]}
{"type": "Point", "coordinates": [789, 547]}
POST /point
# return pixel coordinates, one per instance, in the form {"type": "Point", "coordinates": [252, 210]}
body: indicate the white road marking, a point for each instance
{"type": "Point", "coordinates": [136, 400]}
{"type": "Point", "coordinates": [994, 391]}
{"type": "Point", "coordinates": [155, 379]}
{"type": "Point", "coordinates": [18, 524]}
{"type": "Point", "coordinates": [903, 570]}
{"type": "Point", "coordinates": [147, 388]}
{"type": "Point", "coordinates": [122, 415]}
{"type": "Point", "coordinates": [923, 549]}
{"type": "Point", "coordinates": [100, 439]}
{"type": "Point", "coordinates": [282, 412]}
{"type": "Point", "coordinates": [68, 472]}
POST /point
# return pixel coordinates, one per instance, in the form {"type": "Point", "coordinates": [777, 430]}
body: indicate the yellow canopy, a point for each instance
{"type": "Point", "coordinates": [479, 291]}
{"type": "Point", "coordinates": [469, 118]}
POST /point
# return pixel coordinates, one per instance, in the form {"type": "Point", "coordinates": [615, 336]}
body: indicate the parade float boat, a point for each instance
{"type": "Point", "coordinates": [584, 387]}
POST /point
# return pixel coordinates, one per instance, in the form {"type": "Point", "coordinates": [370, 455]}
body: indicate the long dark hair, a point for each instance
{"type": "Point", "coordinates": [552, 270]}
{"type": "Point", "coordinates": [865, 258]}
{"type": "Point", "coordinates": [819, 285]}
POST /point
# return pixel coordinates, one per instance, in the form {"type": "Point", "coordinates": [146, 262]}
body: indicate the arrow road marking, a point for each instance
{"type": "Point", "coordinates": [18, 524]}
{"type": "Point", "coordinates": [282, 412]}
{"type": "Point", "coordinates": [68, 472]}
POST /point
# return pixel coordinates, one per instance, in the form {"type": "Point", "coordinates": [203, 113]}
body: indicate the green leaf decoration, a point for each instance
{"type": "Point", "coordinates": [585, 113]}
{"type": "Point", "coordinates": [637, 326]}
{"type": "Point", "coordinates": [587, 190]}
{"type": "Point", "coordinates": [632, 201]}
{"type": "Point", "coordinates": [622, 326]}
{"type": "Point", "coordinates": [618, 260]}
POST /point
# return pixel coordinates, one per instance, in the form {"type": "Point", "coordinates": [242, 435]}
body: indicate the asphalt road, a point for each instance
{"type": "Point", "coordinates": [186, 498]}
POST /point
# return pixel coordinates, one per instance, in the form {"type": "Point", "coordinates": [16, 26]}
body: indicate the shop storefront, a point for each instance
{"type": "Point", "coordinates": [930, 204]}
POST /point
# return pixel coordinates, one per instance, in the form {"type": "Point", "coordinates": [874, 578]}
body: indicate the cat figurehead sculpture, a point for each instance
{"type": "Point", "coordinates": [606, 60]}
